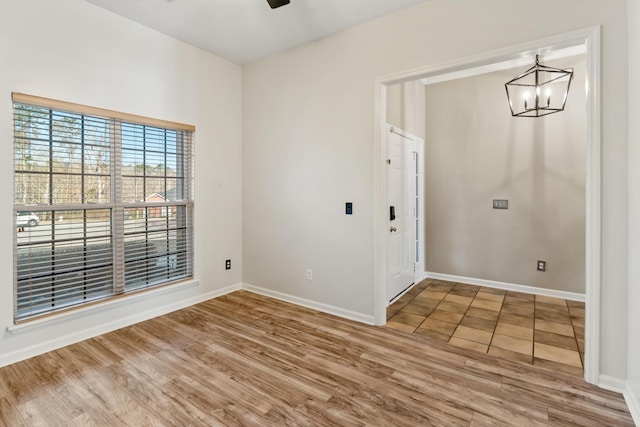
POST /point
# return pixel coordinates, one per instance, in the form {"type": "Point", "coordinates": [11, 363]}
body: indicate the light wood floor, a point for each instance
{"type": "Point", "coordinates": [243, 359]}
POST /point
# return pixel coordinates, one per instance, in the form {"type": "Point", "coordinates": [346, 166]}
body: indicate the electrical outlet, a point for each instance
{"type": "Point", "coordinates": [309, 274]}
{"type": "Point", "coordinates": [227, 264]}
{"type": "Point", "coordinates": [542, 265]}
{"type": "Point", "coordinates": [500, 204]}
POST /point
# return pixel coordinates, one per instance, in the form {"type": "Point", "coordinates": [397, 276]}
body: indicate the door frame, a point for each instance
{"type": "Point", "coordinates": [590, 38]}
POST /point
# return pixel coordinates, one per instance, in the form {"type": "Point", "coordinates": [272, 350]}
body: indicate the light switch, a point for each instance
{"type": "Point", "coordinates": [348, 208]}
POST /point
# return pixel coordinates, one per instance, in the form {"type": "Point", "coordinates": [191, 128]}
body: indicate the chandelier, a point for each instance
{"type": "Point", "coordinates": [539, 91]}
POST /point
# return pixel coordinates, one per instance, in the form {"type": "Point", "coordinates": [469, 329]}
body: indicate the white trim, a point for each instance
{"type": "Point", "coordinates": [421, 275]}
{"type": "Point", "coordinates": [612, 384]}
{"type": "Point", "coordinates": [421, 266]}
{"type": "Point", "coordinates": [325, 308]}
{"type": "Point", "coordinates": [633, 402]}
{"type": "Point", "coordinates": [591, 38]}
{"type": "Point", "coordinates": [572, 296]}
{"type": "Point", "coordinates": [379, 203]}
{"type": "Point", "coordinates": [62, 341]}
{"type": "Point", "coordinates": [505, 65]}
{"type": "Point", "coordinates": [593, 232]}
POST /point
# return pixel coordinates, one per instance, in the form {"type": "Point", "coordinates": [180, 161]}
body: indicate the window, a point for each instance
{"type": "Point", "coordinates": [103, 204]}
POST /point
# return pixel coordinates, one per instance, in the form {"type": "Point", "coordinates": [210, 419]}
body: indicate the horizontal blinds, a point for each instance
{"type": "Point", "coordinates": [65, 260]}
{"type": "Point", "coordinates": [157, 248]}
{"type": "Point", "coordinates": [155, 169]}
{"type": "Point", "coordinates": [103, 207]}
{"type": "Point", "coordinates": [61, 157]}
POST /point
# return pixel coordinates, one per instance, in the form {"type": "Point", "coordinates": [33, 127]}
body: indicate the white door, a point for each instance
{"type": "Point", "coordinates": [401, 218]}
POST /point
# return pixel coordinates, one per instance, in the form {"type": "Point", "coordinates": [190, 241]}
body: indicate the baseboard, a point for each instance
{"type": "Point", "coordinates": [633, 402]}
{"type": "Point", "coordinates": [68, 339]}
{"type": "Point", "coordinates": [612, 384]}
{"type": "Point", "coordinates": [572, 296]}
{"type": "Point", "coordinates": [325, 308]}
{"type": "Point", "coordinates": [421, 276]}
{"type": "Point", "coordinates": [620, 386]}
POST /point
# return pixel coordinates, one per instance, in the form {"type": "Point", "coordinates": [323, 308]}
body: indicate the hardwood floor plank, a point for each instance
{"type": "Point", "coordinates": [572, 403]}
{"type": "Point", "coordinates": [392, 401]}
{"type": "Point", "coordinates": [550, 383]}
{"type": "Point", "coordinates": [202, 402]}
{"type": "Point", "coordinates": [354, 381]}
{"type": "Point", "coordinates": [5, 386]}
{"type": "Point", "coordinates": [498, 406]}
{"type": "Point", "coordinates": [108, 396]}
{"type": "Point", "coordinates": [569, 416]}
{"type": "Point", "coordinates": [149, 395]}
{"type": "Point", "coordinates": [42, 412]}
{"type": "Point", "coordinates": [481, 420]}
{"type": "Point", "coordinates": [363, 407]}
{"type": "Point", "coordinates": [247, 360]}
{"type": "Point", "coordinates": [9, 414]}
{"type": "Point", "coordinates": [285, 416]}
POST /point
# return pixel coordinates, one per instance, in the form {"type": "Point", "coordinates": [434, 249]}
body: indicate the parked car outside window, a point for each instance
{"type": "Point", "coordinates": [27, 219]}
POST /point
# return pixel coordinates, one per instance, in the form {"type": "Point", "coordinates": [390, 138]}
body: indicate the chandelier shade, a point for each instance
{"type": "Point", "coordinates": [539, 91]}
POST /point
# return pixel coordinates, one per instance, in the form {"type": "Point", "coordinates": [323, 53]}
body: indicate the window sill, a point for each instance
{"type": "Point", "coordinates": [98, 307]}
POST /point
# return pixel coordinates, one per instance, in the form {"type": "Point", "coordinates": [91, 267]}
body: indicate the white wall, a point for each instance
{"type": "Point", "coordinates": [74, 51]}
{"type": "Point", "coordinates": [475, 151]}
{"type": "Point", "coordinates": [634, 209]}
{"type": "Point", "coordinates": [308, 131]}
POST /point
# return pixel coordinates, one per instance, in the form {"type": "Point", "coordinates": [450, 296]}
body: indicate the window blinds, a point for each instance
{"type": "Point", "coordinates": [103, 204]}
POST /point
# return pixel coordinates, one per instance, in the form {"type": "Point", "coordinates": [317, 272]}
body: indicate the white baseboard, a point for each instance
{"type": "Point", "coordinates": [325, 308]}
{"type": "Point", "coordinates": [572, 296]}
{"type": "Point", "coordinates": [64, 340]}
{"type": "Point", "coordinates": [421, 276]}
{"type": "Point", "coordinates": [612, 384]}
{"type": "Point", "coordinates": [620, 386]}
{"type": "Point", "coordinates": [633, 402]}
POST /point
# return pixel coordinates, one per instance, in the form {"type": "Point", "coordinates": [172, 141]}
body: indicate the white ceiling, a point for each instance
{"type": "Point", "coordinates": [243, 31]}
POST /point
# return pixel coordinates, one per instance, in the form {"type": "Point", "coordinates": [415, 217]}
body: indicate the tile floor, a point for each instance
{"type": "Point", "coordinates": [533, 329]}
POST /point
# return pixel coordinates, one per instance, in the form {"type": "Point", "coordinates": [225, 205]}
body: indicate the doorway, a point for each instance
{"type": "Point", "coordinates": [590, 40]}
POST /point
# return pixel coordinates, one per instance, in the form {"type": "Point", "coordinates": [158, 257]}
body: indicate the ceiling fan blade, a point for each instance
{"type": "Point", "coordinates": [277, 3]}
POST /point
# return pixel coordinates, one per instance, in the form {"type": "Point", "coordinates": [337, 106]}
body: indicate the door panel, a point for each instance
{"type": "Point", "coordinates": [401, 195]}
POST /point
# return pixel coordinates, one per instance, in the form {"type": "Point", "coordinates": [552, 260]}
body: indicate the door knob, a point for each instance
{"type": "Point", "coordinates": [393, 229]}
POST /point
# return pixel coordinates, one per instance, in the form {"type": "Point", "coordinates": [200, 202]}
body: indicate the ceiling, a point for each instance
{"type": "Point", "coordinates": [243, 31]}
